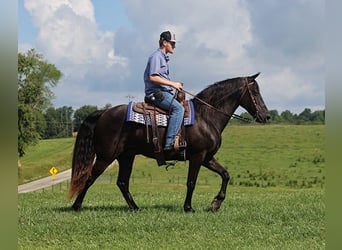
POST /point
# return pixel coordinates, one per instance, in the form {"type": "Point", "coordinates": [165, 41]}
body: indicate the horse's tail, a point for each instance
{"type": "Point", "coordinates": [84, 154]}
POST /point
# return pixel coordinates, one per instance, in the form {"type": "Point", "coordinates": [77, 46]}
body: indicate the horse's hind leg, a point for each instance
{"type": "Point", "coordinates": [125, 169]}
{"type": "Point", "coordinates": [97, 170]}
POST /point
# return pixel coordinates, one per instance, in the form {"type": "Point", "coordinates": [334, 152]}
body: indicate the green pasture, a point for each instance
{"type": "Point", "coordinates": [40, 158]}
{"type": "Point", "coordinates": [260, 156]}
{"type": "Point", "coordinates": [250, 218]}
{"type": "Point", "coordinates": [275, 199]}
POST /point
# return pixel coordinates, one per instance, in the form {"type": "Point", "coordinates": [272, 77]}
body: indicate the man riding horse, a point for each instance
{"type": "Point", "coordinates": [159, 88]}
{"type": "Point", "coordinates": [107, 135]}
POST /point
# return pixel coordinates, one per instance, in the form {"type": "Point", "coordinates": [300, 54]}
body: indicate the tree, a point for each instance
{"type": "Point", "coordinates": [107, 106]}
{"type": "Point", "coordinates": [36, 77]}
{"type": "Point", "coordinates": [275, 118]}
{"type": "Point", "coordinates": [318, 116]}
{"type": "Point", "coordinates": [81, 114]}
{"type": "Point", "coordinates": [287, 116]}
{"type": "Point", "coordinates": [305, 116]}
{"type": "Point", "coordinates": [59, 123]}
{"type": "Point", "coordinates": [27, 127]}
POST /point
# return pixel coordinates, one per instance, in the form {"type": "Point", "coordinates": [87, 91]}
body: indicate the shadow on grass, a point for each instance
{"type": "Point", "coordinates": [159, 207]}
{"type": "Point", "coordinates": [92, 208]}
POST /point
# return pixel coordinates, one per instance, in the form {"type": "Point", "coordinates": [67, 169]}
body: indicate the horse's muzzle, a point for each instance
{"type": "Point", "coordinates": [262, 117]}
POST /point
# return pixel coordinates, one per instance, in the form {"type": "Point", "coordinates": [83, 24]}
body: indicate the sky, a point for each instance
{"type": "Point", "coordinates": [102, 46]}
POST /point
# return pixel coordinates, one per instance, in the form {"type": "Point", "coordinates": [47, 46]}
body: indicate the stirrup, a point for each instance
{"type": "Point", "coordinates": [182, 145]}
{"type": "Point", "coordinates": [179, 145]}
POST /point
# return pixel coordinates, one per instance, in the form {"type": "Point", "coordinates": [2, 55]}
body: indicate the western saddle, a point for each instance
{"type": "Point", "coordinates": [150, 110]}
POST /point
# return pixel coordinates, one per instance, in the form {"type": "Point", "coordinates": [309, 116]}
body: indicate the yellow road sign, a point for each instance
{"type": "Point", "coordinates": [53, 171]}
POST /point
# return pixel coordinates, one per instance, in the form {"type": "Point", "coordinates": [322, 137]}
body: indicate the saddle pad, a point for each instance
{"type": "Point", "coordinates": [161, 119]}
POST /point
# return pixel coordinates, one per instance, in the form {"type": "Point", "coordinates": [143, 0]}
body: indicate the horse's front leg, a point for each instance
{"type": "Point", "coordinates": [194, 166]}
{"type": "Point", "coordinates": [218, 168]}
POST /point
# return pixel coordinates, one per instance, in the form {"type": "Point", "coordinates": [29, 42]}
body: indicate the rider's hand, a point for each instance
{"type": "Point", "coordinates": [178, 85]}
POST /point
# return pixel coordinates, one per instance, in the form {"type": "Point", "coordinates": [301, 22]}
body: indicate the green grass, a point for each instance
{"type": "Point", "coordinates": [40, 158]}
{"type": "Point", "coordinates": [276, 155]}
{"type": "Point", "coordinates": [250, 218]}
{"type": "Point", "coordinates": [260, 156]}
{"type": "Point", "coordinates": [275, 199]}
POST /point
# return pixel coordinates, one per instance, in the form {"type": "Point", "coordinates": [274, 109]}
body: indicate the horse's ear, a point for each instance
{"type": "Point", "coordinates": [252, 78]}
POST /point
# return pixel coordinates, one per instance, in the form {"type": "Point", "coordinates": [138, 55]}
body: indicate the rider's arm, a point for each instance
{"type": "Point", "coordinates": [160, 80]}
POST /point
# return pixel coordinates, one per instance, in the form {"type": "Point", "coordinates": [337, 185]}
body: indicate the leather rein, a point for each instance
{"type": "Point", "coordinates": [247, 88]}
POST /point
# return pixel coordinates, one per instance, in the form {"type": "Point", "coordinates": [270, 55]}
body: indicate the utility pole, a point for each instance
{"type": "Point", "coordinates": [66, 121]}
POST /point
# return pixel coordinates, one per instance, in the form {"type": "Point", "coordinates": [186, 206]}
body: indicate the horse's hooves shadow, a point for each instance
{"type": "Point", "coordinates": [92, 208]}
{"type": "Point", "coordinates": [167, 208]}
{"type": "Point", "coordinates": [164, 207]}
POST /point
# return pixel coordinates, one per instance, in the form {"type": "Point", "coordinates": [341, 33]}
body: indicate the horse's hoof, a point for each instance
{"type": "Point", "coordinates": [215, 205]}
{"type": "Point", "coordinates": [189, 210]}
{"type": "Point", "coordinates": [76, 208]}
{"type": "Point", "coordinates": [214, 209]}
{"type": "Point", "coordinates": [135, 210]}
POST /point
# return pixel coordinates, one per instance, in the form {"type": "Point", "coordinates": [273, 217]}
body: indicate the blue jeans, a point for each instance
{"type": "Point", "coordinates": [176, 116]}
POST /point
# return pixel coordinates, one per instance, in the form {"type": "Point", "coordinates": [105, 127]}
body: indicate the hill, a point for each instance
{"type": "Point", "coordinates": [260, 156]}
{"type": "Point", "coordinates": [40, 158]}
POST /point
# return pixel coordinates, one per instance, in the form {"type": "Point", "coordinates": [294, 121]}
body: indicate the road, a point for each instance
{"type": "Point", "coordinates": [44, 182]}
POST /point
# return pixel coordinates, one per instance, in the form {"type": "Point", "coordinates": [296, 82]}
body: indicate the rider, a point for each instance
{"type": "Point", "coordinates": [159, 86]}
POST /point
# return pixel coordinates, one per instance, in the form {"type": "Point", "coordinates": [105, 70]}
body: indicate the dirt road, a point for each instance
{"type": "Point", "coordinates": [45, 182]}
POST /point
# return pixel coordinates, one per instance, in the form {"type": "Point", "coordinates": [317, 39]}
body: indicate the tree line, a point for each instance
{"type": "Point", "coordinates": [62, 122]}
{"type": "Point", "coordinates": [287, 117]}
{"type": "Point", "coordinates": [38, 119]}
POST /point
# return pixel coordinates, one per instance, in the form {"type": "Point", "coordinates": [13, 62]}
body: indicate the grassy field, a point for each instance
{"type": "Point", "coordinates": [39, 159]}
{"type": "Point", "coordinates": [260, 156]}
{"type": "Point", "coordinates": [251, 218]}
{"type": "Point", "coordinates": [275, 199]}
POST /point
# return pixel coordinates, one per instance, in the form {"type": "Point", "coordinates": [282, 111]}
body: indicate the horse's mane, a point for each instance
{"type": "Point", "coordinates": [215, 92]}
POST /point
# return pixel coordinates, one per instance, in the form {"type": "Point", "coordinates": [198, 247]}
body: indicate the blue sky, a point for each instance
{"type": "Point", "coordinates": [102, 46]}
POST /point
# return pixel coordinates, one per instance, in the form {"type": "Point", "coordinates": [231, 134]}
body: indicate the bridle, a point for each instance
{"type": "Point", "coordinates": [248, 84]}
{"type": "Point", "coordinates": [247, 88]}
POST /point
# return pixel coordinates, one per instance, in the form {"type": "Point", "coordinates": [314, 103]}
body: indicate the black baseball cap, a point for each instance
{"type": "Point", "coordinates": [168, 36]}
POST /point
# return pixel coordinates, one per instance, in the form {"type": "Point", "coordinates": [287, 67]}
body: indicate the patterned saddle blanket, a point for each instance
{"type": "Point", "coordinates": [161, 119]}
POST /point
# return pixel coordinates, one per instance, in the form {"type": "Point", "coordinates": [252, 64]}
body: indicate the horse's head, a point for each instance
{"type": "Point", "coordinates": [252, 101]}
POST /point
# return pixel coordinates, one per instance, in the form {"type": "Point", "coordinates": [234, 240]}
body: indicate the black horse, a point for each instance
{"type": "Point", "coordinates": [105, 136]}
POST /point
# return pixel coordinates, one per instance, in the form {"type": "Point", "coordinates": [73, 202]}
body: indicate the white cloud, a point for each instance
{"type": "Point", "coordinates": [286, 85]}
{"type": "Point", "coordinates": [229, 38]}
{"type": "Point", "coordinates": [42, 10]}
{"type": "Point", "coordinates": [69, 36]}
{"type": "Point", "coordinates": [285, 89]}
{"type": "Point", "coordinates": [213, 36]}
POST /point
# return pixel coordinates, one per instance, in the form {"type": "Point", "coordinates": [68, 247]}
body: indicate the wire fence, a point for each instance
{"type": "Point", "coordinates": [253, 181]}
